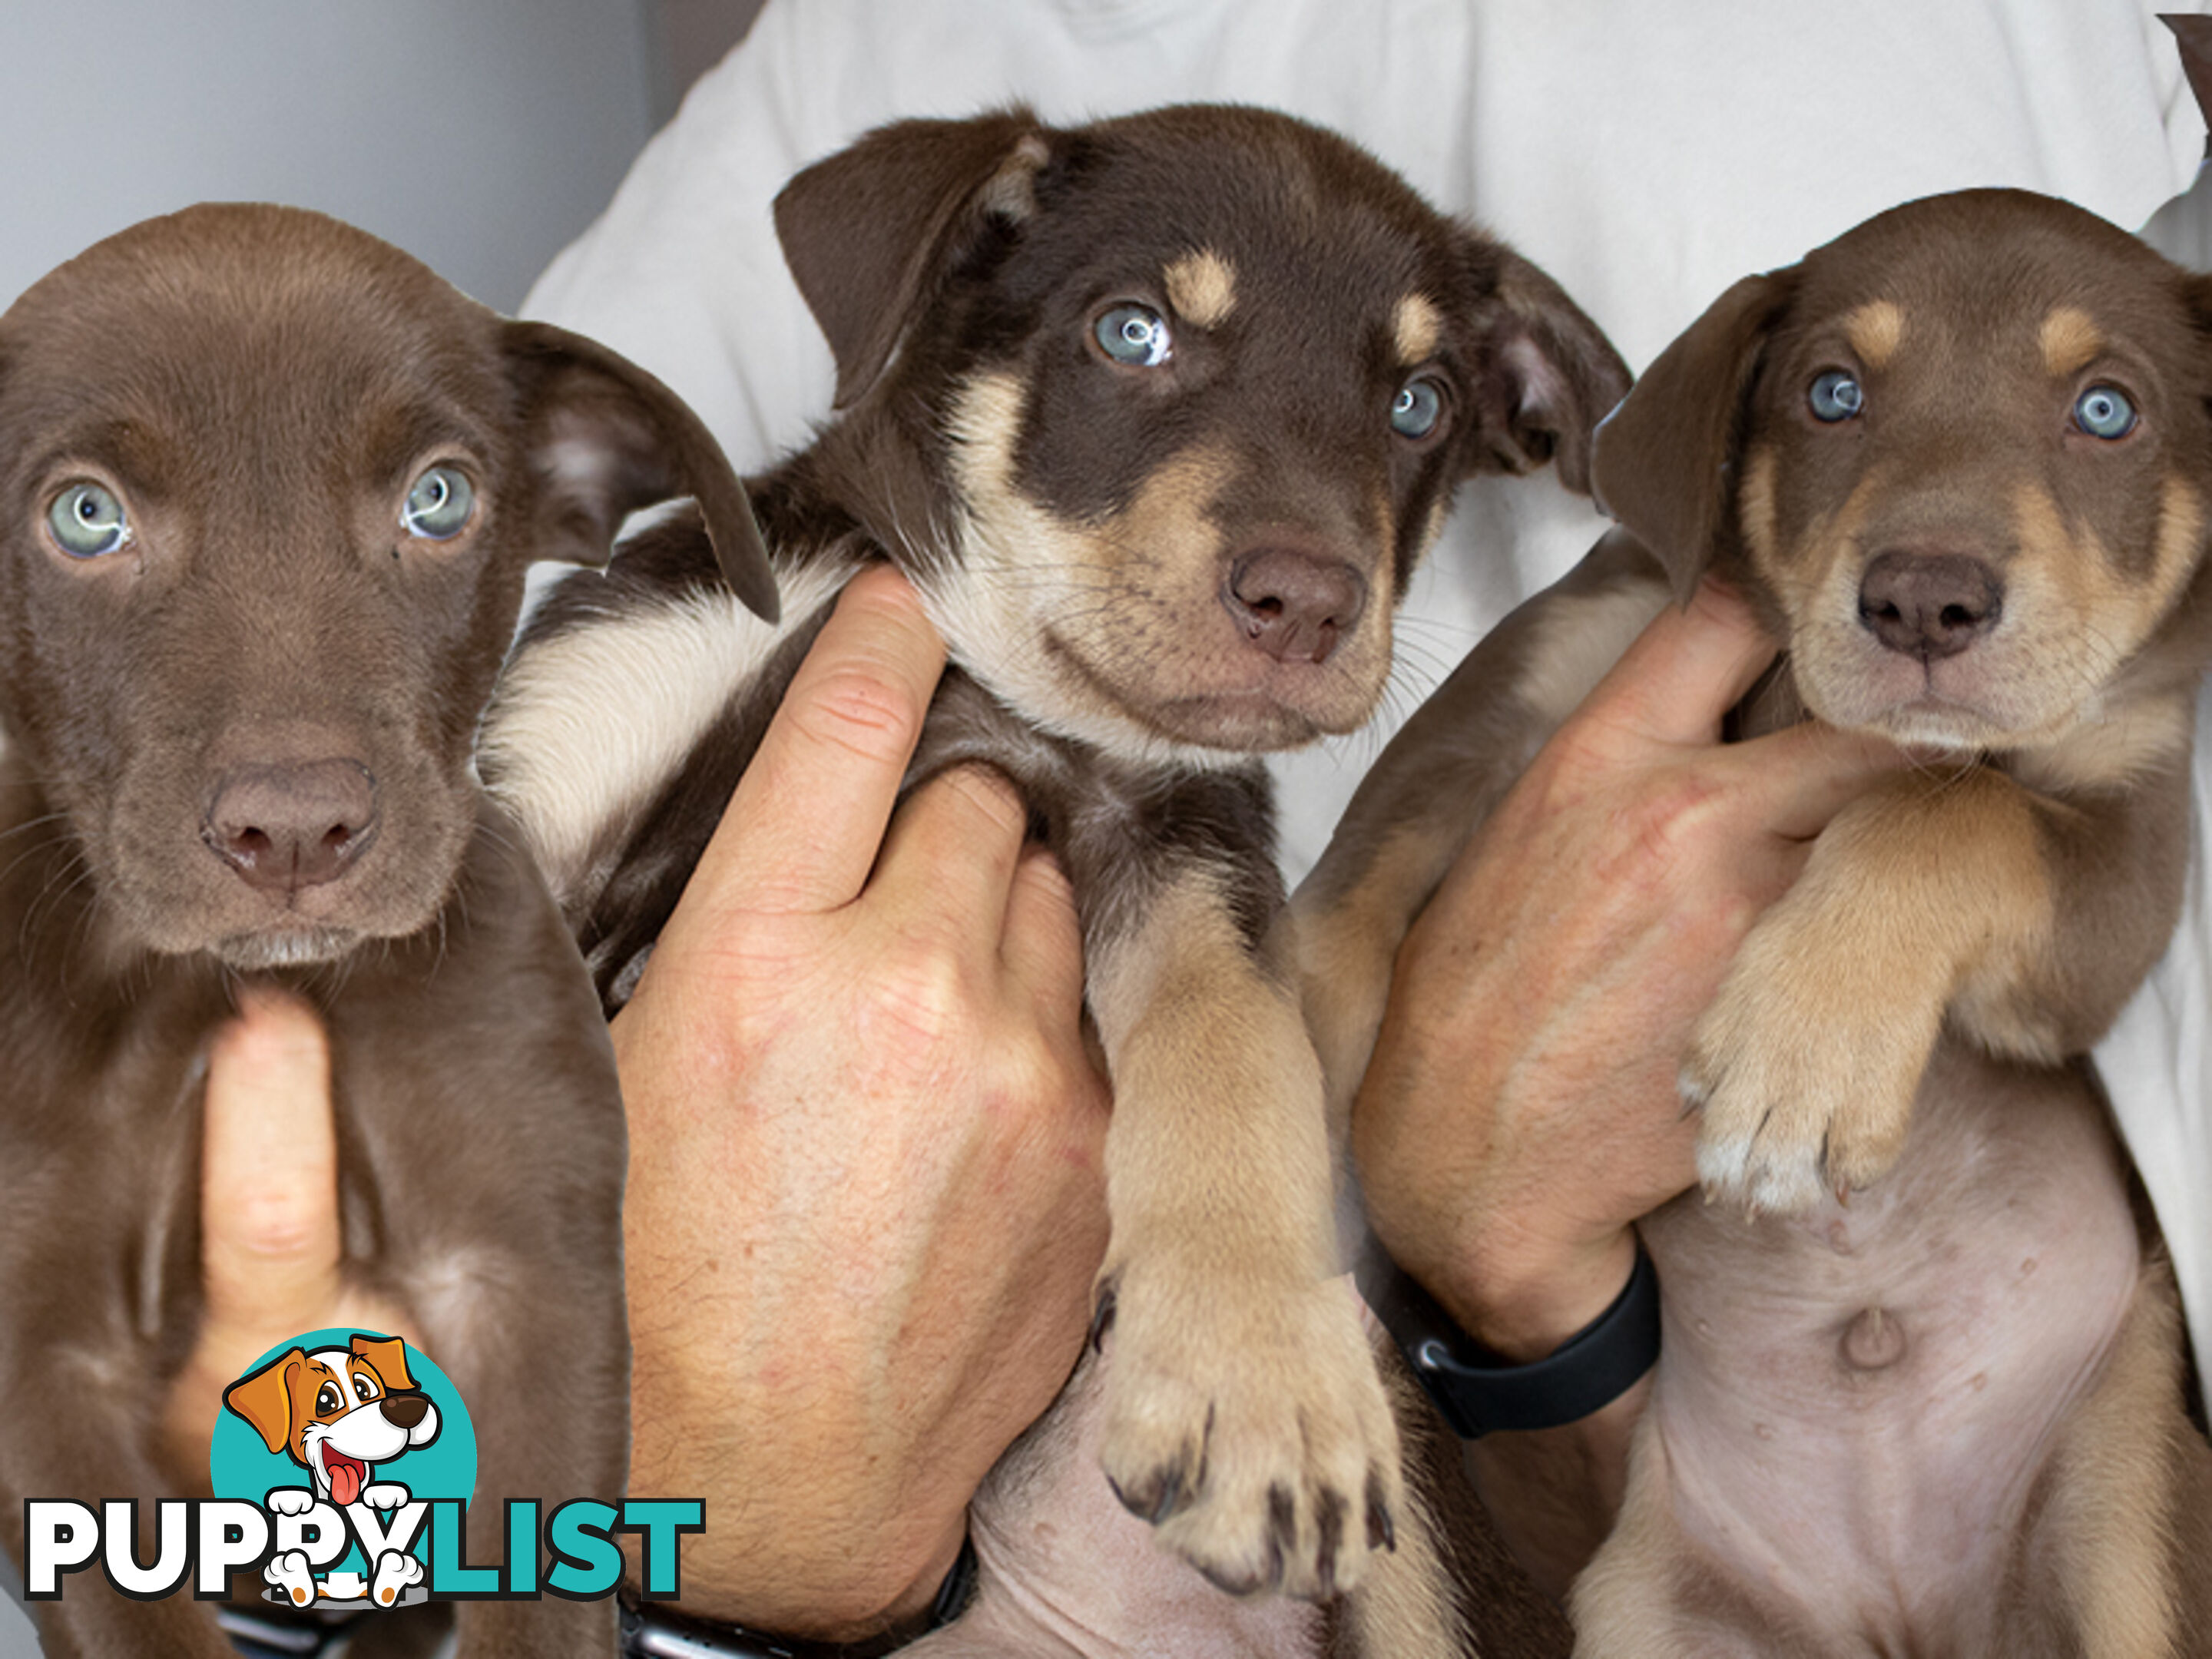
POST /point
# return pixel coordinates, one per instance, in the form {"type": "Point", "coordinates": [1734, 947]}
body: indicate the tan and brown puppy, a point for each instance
{"type": "Point", "coordinates": [1961, 460]}
{"type": "Point", "coordinates": [269, 489]}
{"type": "Point", "coordinates": [1159, 413]}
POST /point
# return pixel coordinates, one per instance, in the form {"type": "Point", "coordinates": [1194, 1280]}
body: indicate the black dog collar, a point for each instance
{"type": "Point", "coordinates": [1479, 1393]}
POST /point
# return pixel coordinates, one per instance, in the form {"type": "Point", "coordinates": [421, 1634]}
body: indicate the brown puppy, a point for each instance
{"type": "Point", "coordinates": [1159, 413]}
{"type": "Point", "coordinates": [1960, 459]}
{"type": "Point", "coordinates": [271, 487]}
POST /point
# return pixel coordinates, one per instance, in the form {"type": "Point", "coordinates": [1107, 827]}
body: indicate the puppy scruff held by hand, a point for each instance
{"type": "Point", "coordinates": [1518, 115]}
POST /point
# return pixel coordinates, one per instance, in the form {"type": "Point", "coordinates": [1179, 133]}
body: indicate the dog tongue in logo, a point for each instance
{"type": "Point", "coordinates": [346, 1475]}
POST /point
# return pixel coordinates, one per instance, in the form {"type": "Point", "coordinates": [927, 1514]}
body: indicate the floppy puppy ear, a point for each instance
{"type": "Point", "coordinates": [1665, 460]}
{"type": "Point", "coordinates": [264, 1399]}
{"type": "Point", "coordinates": [388, 1355]}
{"type": "Point", "coordinates": [867, 231]}
{"type": "Point", "coordinates": [1551, 375]}
{"type": "Point", "coordinates": [607, 439]}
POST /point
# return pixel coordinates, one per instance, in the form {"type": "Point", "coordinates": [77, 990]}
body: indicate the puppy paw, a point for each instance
{"type": "Point", "coordinates": [288, 1572]}
{"type": "Point", "coordinates": [384, 1495]}
{"type": "Point", "coordinates": [1248, 1426]}
{"type": "Point", "coordinates": [291, 1500]}
{"type": "Point", "coordinates": [1805, 1070]}
{"type": "Point", "coordinates": [395, 1570]}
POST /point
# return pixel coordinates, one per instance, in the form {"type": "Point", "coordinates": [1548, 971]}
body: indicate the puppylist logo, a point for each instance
{"type": "Point", "coordinates": [342, 1464]}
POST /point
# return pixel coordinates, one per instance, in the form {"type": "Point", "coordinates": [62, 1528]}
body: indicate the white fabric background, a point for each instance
{"type": "Point", "coordinates": [1646, 155]}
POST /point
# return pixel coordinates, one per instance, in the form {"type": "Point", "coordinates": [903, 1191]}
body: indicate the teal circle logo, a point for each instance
{"type": "Point", "coordinates": [361, 1422]}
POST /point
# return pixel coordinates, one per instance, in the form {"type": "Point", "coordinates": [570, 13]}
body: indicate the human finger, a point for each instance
{"type": "Point", "coordinates": [269, 1202]}
{"type": "Point", "coordinates": [947, 864]}
{"type": "Point", "coordinates": [1797, 778]}
{"type": "Point", "coordinates": [1042, 943]}
{"type": "Point", "coordinates": [1686, 669]}
{"type": "Point", "coordinates": [802, 829]}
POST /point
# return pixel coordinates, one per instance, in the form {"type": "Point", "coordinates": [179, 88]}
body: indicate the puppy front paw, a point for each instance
{"type": "Point", "coordinates": [1805, 1068]}
{"type": "Point", "coordinates": [288, 1572]}
{"type": "Point", "coordinates": [395, 1570]}
{"type": "Point", "coordinates": [290, 1500]}
{"type": "Point", "coordinates": [1249, 1425]}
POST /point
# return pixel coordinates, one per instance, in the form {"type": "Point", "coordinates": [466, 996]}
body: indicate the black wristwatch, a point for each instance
{"type": "Point", "coordinates": [1479, 1393]}
{"type": "Point", "coordinates": [278, 1632]}
{"type": "Point", "coordinates": [650, 1630]}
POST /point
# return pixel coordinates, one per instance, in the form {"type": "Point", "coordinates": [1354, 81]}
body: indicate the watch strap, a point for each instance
{"type": "Point", "coordinates": [1479, 1393]}
{"type": "Point", "coordinates": [651, 1631]}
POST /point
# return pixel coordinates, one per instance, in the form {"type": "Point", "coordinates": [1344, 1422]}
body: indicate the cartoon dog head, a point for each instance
{"type": "Point", "coordinates": [337, 1411]}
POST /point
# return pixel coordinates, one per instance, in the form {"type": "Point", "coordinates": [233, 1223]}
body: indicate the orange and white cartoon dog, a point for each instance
{"type": "Point", "coordinates": [337, 1412]}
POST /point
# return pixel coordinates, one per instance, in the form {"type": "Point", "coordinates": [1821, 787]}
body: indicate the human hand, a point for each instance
{"type": "Point", "coordinates": [270, 1243]}
{"type": "Point", "coordinates": [865, 1196]}
{"type": "Point", "coordinates": [1521, 1111]}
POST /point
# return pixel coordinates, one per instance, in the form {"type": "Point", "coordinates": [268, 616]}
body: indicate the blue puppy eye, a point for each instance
{"type": "Point", "coordinates": [2103, 411]}
{"type": "Point", "coordinates": [1136, 335]}
{"type": "Point", "coordinates": [1417, 408]}
{"type": "Point", "coordinates": [88, 521]}
{"type": "Point", "coordinates": [1836, 397]}
{"type": "Point", "coordinates": [439, 505]}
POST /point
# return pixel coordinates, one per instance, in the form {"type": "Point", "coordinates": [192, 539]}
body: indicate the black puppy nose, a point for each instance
{"type": "Point", "coordinates": [404, 1410]}
{"type": "Point", "coordinates": [1929, 605]}
{"type": "Point", "coordinates": [284, 827]}
{"type": "Point", "coordinates": [1293, 605]}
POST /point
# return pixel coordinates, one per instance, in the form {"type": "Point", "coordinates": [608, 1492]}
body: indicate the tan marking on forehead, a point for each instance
{"type": "Point", "coordinates": [1416, 326]}
{"type": "Point", "coordinates": [1875, 329]}
{"type": "Point", "coordinates": [2069, 341]}
{"type": "Point", "coordinates": [1202, 288]}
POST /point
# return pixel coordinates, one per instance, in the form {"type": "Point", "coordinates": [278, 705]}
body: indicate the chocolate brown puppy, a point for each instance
{"type": "Point", "coordinates": [1961, 461]}
{"type": "Point", "coordinates": [271, 486]}
{"type": "Point", "coordinates": [1158, 415]}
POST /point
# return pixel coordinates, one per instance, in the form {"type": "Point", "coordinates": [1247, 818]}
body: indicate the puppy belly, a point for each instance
{"type": "Point", "coordinates": [1854, 1405]}
{"type": "Point", "coordinates": [1065, 1568]}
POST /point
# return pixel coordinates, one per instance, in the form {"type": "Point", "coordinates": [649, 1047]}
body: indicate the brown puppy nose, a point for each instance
{"type": "Point", "coordinates": [1292, 605]}
{"type": "Point", "coordinates": [287, 827]}
{"type": "Point", "coordinates": [404, 1410]}
{"type": "Point", "coordinates": [1929, 605]}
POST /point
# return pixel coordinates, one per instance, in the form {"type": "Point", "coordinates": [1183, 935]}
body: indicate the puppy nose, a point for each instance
{"type": "Point", "coordinates": [1929, 605]}
{"type": "Point", "coordinates": [404, 1410]}
{"type": "Point", "coordinates": [1293, 605]}
{"type": "Point", "coordinates": [287, 827]}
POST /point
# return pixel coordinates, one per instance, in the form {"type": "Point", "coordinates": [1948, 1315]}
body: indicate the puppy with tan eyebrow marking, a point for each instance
{"type": "Point", "coordinates": [1158, 415]}
{"type": "Point", "coordinates": [1922, 1382]}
